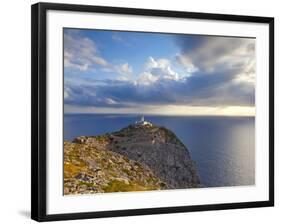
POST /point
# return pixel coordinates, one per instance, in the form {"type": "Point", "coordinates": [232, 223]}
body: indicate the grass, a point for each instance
{"type": "Point", "coordinates": [128, 172]}
{"type": "Point", "coordinates": [120, 186]}
{"type": "Point", "coordinates": [71, 170]}
{"type": "Point", "coordinates": [101, 138]}
{"type": "Point", "coordinates": [86, 183]}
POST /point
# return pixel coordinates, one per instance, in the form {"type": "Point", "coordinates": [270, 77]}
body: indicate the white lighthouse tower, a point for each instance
{"type": "Point", "coordinates": [143, 122]}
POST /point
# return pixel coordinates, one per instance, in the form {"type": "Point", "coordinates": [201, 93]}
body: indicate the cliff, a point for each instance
{"type": "Point", "coordinates": [156, 148]}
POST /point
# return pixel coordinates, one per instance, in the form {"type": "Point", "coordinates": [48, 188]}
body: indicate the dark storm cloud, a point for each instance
{"type": "Point", "coordinates": [212, 53]}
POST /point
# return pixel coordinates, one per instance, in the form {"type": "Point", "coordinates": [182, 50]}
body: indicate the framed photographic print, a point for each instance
{"type": "Point", "coordinates": [139, 111]}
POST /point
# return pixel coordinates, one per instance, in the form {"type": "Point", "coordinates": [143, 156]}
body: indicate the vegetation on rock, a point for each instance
{"type": "Point", "coordinates": [91, 170]}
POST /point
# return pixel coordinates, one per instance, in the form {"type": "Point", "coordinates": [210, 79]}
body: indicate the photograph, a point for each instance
{"type": "Point", "coordinates": [152, 111]}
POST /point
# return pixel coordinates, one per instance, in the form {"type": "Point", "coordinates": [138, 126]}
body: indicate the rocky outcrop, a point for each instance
{"type": "Point", "coordinates": [91, 170]}
{"type": "Point", "coordinates": [155, 147]}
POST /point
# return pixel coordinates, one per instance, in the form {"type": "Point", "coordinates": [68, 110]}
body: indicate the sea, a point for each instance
{"type": "Point", "coordinates": [223, 148]}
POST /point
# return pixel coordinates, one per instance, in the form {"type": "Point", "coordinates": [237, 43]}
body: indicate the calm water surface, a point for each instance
{"type": "Point", "coordinates": [222, 147]}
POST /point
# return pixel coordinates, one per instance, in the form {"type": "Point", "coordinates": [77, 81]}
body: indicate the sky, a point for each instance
{"type": "Point", "coordinates": [121, 72]}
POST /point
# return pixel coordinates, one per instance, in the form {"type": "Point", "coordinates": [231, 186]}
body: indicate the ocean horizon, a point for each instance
{"type": "Point", "coordinates": [222, 147]}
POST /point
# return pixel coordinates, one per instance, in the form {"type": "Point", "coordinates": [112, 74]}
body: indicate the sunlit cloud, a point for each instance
{"type": "Point", "coordinates": [205, 76]}
{"type": "Point", "coordinates": [167, 110]}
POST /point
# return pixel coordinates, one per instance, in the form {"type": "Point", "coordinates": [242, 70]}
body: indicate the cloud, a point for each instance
{"type": "Point", "coordinates": [223, 68]}
{"type": "Point", "coordinates": [92, 92]}
{"type": "Point", "coordinates": [156, 70]}
{"type": "Point", "coordinates": [124, 69]}
{"type": "Point", "coordinates": [211, 54]}
{"type": "Point", "coordinates": [186, 63]}
{"type": "Point", "coordinates": [215, 72]}
{"type": "Point", "coordinates": [81, 52]}
{"type": "Point", "coordinates": [197, 90]}
{"type": "Point", "coordinates": [146, 78]}
{"type": "Point", "coordinates": [116, 37]}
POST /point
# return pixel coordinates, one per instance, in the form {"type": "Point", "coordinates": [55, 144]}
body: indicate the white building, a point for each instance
{"type": "Point", "coordinates": [143, 122]}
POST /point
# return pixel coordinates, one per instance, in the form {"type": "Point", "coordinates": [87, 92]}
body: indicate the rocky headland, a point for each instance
{"type": "Point", "coordinates": [139, 157]}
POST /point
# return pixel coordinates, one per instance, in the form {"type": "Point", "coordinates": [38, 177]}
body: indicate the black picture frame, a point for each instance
{"type": "Point", "coordinates": [39, 122]}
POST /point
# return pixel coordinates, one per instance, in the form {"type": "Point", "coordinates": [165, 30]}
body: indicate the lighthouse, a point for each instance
{"type": "Point", "coordinates": [143, 122]}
